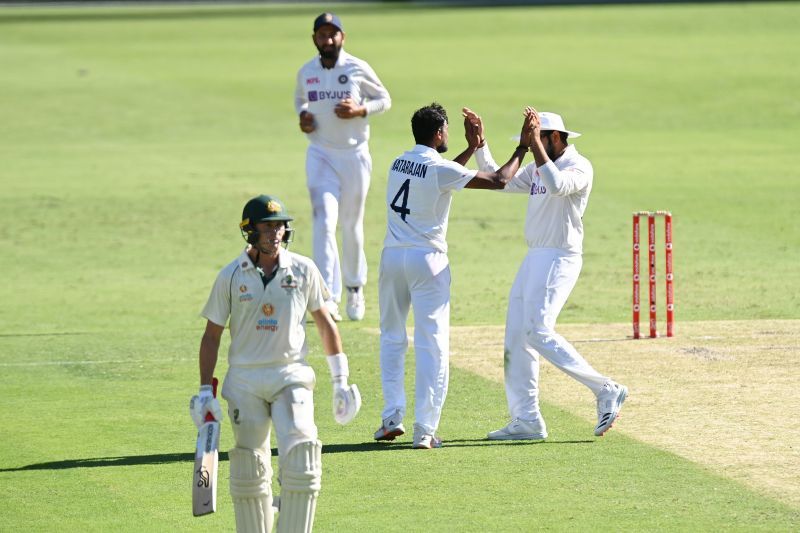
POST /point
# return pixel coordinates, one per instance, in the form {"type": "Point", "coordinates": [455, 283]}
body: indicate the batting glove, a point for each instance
{"type": "Point", "coordinates": [204, 402]}
{"type": "Point", "coordinates": [346, 398]}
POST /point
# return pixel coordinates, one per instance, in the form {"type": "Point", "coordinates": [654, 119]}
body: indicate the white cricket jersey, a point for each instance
{"type": "Point", "coordinates": [267, 325]}
{"type": "Point", "coordinates": [418, 196]}
{"type": "Point", "coordinates": [558, 192]}
{"type": "Point", "coordinates": [318, 90]}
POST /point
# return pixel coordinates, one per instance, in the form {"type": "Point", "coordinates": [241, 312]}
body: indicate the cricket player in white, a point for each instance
{"type": "Point", "coordinates": [266, 292]}
{"type": "Point", "coordinates": [558, 184]}
{"type": "Point", "coordinates": [334, 96]}
{"type": "Point", "coordinates": [414, 269]}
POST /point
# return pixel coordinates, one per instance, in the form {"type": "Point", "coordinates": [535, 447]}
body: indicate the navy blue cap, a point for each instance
{"type": "Point", "coordinates": [328, 18]}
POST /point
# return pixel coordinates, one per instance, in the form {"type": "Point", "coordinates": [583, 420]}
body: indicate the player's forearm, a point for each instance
{"type": "Point", "coordinates": [509, 170]}
{"type": "Point", "coordinates": [377, 106]}
{"type": "Point", "coordinates": [485, 160]}
{"type": "Point", "coordinates": [328, 333]}
{"type": "Point", "coordinates": [209, 352]}
{"type": "Point", "coordinates": [463, 158]}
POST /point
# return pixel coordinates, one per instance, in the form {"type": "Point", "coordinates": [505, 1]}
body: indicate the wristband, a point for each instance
{"type": "Point", "coordinates": [338, 365]}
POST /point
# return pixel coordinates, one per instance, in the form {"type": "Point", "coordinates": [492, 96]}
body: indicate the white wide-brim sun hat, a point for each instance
{"type": "Point", "coordinates": [552, 121]}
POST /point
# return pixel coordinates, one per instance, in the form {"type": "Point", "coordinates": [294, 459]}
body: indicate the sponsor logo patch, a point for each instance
{"type": "Point", "coordinates": [267, 324]}
{"type": "Point", "coordinates": [318, 96]}
{"type": "Point", "coordinates": [267, 309]}
{"type": "Point", "coordinates": [311, 81]}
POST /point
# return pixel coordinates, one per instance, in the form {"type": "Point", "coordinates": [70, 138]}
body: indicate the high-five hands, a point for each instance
{"type": "Point", "coordinates": [473, 129]}
{"type": "Point", "coordinates": [531, 127]}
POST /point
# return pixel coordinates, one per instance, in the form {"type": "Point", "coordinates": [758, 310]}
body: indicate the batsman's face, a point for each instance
{"type": "Point", "coordinates": [270, 236]}
{"type": "Point", "coordinates": [329, 40]}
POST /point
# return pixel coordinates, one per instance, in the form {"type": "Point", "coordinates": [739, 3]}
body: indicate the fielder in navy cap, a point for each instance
{"type": "Point", "coordinates": [334, 97]}
{"type": "Point", "coordinates": [328, 18]}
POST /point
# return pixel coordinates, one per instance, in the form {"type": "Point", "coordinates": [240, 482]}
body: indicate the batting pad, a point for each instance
{"type": "Point", "coordinates": [251, 491]}
{"type": "Point", "coordinates": [301, 475]}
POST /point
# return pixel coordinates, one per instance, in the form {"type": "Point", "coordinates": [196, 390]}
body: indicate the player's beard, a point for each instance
{"type": "Point", "coordinates": [442, 148]}
{"type": "Point", "coordinates": [330, 53]}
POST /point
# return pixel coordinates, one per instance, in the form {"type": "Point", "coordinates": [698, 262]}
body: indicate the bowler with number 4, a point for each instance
{"type": "Point", "coordinates": [266, 292]}
{"type": "Point", "coordinates": [415, 270]}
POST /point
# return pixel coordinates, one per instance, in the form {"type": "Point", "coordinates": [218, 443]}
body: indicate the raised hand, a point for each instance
{"type": "Point", "coordinates": [526, 137]}
{"type": "Point", "coordinates": [473, 128]}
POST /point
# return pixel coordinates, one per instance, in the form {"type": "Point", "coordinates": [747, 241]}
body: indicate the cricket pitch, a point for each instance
{"type": "Point", "coordinates": [723, 394]}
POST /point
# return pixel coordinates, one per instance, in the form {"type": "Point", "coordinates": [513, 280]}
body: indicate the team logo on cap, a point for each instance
{"type": "Point", "coordinates": [267, 309]}
{"type": "Point", "coordinates": [328, 17]}
{"type": "Point", "coordinates": [273, 206]}
{"type": "Point", "coordinates": [343, 79]}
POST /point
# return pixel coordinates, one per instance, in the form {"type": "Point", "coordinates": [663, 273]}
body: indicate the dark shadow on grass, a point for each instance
{"type": "Point", "coordinates": [96, 462]}
{"type": "Point", "coordinates": [165, 458]}
{"type": "Point", "coordinates": [454, 443]}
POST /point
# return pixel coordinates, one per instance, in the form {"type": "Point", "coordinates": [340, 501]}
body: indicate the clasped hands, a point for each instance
{"type": "Point", "coordinates": [476, 136]}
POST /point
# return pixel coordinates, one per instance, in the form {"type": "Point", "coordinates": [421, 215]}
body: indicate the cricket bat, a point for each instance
{"type": "Point", "coordinates": [206, 461]}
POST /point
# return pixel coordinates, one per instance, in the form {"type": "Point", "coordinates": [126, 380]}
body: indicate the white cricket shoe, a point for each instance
{"type": "Point", "coordinates": [356, 305]}
{"type": "Point", "coordinates": [521, 430]}
{"type": "Point", "coordinates": [333, 310]}
{"type": "Point", "coordinates": [424, 440]}
{"type": "Point", "coordinates": [391, 428]}
{"type": "Point", "coordinates": [609, 403]}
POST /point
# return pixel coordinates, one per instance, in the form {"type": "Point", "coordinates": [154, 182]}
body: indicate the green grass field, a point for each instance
{"type": "Point", "coordinates": [131, 139]}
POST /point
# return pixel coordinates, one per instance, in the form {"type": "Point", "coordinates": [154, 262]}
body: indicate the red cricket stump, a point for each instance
{"type": "Point", "coordinates": [668, 271]}
{"type": "Point", "coordinates": [636, 276]}
{"type": "Point", "coordinates": [651, 271]}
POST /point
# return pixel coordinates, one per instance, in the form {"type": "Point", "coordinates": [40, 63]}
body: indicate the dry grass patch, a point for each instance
{"type": "Point", "coordinates": [723, 394]}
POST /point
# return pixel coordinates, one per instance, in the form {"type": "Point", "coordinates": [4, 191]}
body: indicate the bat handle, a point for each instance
{"type": "Point", "coordinates": [214, 384]}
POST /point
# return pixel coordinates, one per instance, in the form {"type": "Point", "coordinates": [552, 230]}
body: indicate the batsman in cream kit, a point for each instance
{"type": "Point", "coordinates": [265, 293]}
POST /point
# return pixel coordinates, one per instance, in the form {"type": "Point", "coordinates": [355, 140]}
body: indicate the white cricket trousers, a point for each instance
{"type": "Point", "coordinates": [338, 181]}
{"type": "Point", "coordinates": [540, 290]}
{"type": "Point", "coordinates": [418, 278]}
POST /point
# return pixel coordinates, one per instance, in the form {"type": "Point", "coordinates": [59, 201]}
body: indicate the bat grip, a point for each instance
{"type": "Point", "coordinates": [214, 384]}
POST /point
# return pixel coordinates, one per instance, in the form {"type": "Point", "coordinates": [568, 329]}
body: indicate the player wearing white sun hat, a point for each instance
{"type": "Point", "coordinates": [558, 184]}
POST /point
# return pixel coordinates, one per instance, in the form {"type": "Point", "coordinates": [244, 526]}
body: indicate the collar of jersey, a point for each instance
{"type": "Point", "coordinates": [284, 261]}
{"type": "Point", "coordinates": [422, 149]}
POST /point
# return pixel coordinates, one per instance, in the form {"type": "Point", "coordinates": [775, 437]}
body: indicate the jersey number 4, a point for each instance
{"type": "Point", "coordinates": [402, 197]}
